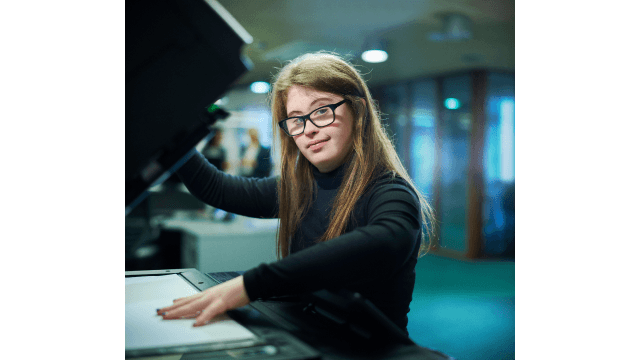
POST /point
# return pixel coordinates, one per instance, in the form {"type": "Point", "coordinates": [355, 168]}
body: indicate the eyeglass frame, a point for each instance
{"type": "Point", "coordinates": [333, 107]}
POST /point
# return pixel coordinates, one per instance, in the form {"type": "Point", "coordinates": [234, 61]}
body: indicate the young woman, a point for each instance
{"type": "Point", "coordinates": [350, 217]}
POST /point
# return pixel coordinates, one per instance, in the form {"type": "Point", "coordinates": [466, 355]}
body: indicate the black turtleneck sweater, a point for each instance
{"type": "Point", "coordinates": [376, 257]}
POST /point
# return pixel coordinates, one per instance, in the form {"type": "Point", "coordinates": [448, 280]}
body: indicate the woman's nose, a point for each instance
{"type": "Point", "coordinates": [310, 128]}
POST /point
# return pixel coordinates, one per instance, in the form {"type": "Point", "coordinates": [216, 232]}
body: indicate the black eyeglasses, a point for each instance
{"type": "Point", "coordinates": [320, 117]}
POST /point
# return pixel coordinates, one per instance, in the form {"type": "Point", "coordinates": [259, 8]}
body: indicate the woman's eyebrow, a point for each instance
{"type": "Point", "coordinates": [311, 106]}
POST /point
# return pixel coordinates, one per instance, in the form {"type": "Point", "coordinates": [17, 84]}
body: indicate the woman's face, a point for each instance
{"type": "Point", "coordinates": [326, 147]}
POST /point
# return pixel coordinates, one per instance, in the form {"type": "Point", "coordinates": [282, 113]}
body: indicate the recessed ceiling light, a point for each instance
{"type": "Point", "coordinates": [375, 56]}
{"type": "Point", "coordinates": [260, 87]}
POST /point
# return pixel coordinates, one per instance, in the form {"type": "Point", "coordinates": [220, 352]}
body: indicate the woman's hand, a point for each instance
{"type": "Point", "coordinates": [208, 304]}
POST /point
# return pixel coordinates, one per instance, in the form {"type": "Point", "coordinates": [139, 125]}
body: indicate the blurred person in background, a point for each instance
{"type": "Point", "coordinates": [256, 159]}
{"type": "Point", "coordinates": [350, 216]}
{"type": "Point", "coordinates": [215, 153]}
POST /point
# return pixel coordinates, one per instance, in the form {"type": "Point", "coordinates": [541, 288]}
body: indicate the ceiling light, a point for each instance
{"type": "Point", "coordinates": [452, 103]}
{"type": "Point", "coordinates": [375, 56]}
{"type": "Point", "coordinates": [375, 51]}
{"type": "Point", "coordinates": [260, 87]}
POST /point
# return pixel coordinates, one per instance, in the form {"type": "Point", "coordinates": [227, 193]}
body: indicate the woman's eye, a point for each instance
{"type": "Point", "coordinates": [297, 121]}
{"type": "Point", "coordinates": [322, 111]}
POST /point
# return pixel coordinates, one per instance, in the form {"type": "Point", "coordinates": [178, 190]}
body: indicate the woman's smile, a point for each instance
{"type": "Point", "coordinates": [317, 145]}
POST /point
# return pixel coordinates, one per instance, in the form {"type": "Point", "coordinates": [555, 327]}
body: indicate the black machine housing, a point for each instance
{"type": "Point", "coordinates": [181, 56]}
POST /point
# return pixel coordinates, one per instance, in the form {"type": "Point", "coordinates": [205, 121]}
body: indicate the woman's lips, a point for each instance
{"type": "Point", "coordinates": [317, 145]}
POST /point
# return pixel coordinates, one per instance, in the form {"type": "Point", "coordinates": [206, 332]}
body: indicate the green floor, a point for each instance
{"type": "Point", "coordinates": [464, 309]}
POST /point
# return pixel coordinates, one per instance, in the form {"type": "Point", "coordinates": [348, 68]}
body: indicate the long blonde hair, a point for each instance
{"type": "Point", "coordinates": [372, 153]}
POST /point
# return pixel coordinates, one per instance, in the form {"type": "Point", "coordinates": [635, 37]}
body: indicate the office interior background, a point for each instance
{"type": "Point", "coordinates": [447, 94]}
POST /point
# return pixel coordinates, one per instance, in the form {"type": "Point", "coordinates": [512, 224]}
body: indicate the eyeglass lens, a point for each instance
{"type": "Point", "coordinates": [321, 117]}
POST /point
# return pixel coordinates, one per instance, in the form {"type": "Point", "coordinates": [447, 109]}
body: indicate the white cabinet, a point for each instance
{"type": "Point", "coordinates": [239, 245]}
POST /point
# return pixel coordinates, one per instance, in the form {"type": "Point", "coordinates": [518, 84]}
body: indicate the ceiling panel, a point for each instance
{"type": "Point", "coordinates": [283, 29]}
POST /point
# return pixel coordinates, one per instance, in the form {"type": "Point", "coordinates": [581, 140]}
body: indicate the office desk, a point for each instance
{"type": "Point", "coordinates": [282, 323]}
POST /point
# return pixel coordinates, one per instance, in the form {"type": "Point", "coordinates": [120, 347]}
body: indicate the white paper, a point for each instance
{"type": "Point", "coordinates": [144, 329]}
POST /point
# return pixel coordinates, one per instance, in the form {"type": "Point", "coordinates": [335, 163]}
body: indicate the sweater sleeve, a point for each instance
{"type": "Point", "coordinates": [240, 195]}
{"type": "Point", "coordinates": [376, 249]}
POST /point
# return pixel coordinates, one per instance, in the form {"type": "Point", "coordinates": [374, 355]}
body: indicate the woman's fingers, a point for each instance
{"type": "Point", "coordinates": [215, 308]}
{"type": "Point", "coordinates": [192, 316]}
{"type": "Point", "coordinates": [187, 298]}
{"type": "Point", "coordinates": [188, 309]}
{"type": "Point", "coordinates": [178, 303]}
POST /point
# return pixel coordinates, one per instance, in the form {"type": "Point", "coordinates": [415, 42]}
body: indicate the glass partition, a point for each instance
{"type": "Point", "coordinates": [431, 124]}
{"type": "Point", "coordinates": [424, 110]}
{"type": "Point", "coordinates": [499, 166]}
{"type": "Point", "coordinates": [393, 102]}
{"type": "Point", "coordinates": [456, 133]}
